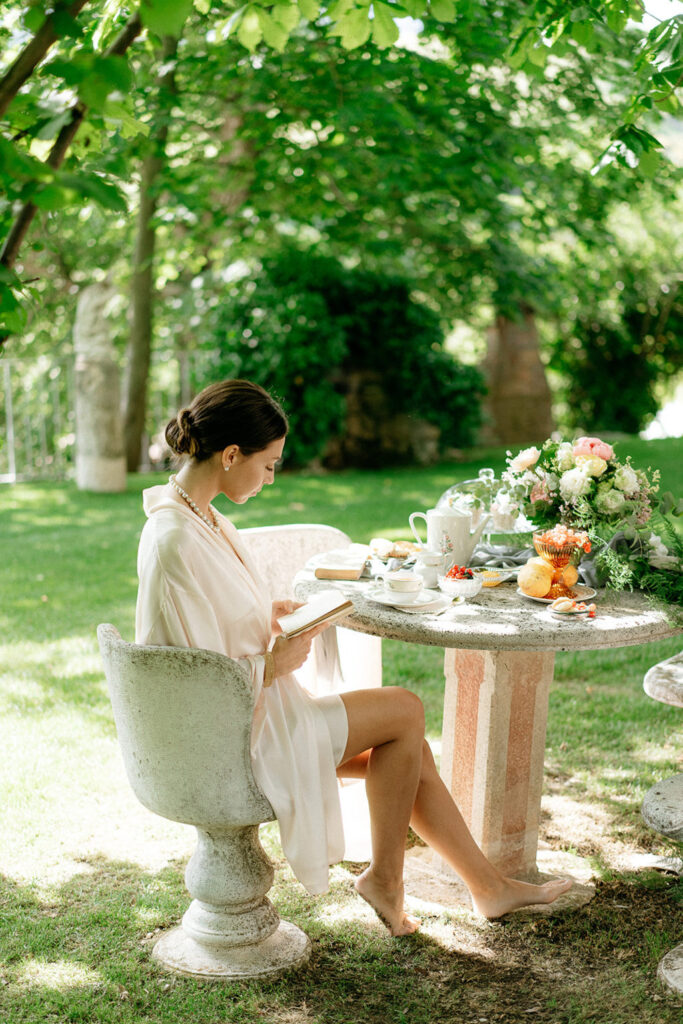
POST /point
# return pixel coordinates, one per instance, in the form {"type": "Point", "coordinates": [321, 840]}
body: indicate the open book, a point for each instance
{"type": "Point", "coordinates": [327, 606]}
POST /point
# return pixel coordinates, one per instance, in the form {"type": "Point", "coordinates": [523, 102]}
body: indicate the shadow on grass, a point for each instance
{"type": "Point", "coordinates": [82, 953]}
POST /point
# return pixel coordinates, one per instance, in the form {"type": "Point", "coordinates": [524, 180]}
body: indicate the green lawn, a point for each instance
{"type": "Point", "coordinates": [88, 875]}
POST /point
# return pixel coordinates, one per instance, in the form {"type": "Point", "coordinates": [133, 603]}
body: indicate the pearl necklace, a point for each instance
{"type": "Point", "coordinates": [195, 508]}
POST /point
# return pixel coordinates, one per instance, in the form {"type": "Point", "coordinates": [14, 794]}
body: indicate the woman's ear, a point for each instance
{"type": "Point", "coordinates": [228, 456]}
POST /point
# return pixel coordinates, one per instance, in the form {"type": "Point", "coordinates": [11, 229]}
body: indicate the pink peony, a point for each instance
{"type": "Point", "coordinates": [594, 447]}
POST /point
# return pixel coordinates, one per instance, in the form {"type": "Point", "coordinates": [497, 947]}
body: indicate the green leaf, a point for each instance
{"type": "Point", "coordinates": [310, 9]}
{"type": "Point", "coordinates": [275, 34]}
{"type": "Point", "coordinates": [538, 55]}
{"type": "Point", "coordinates": [53, 126]}
{"type": "Point", "coordinates": [203, 6]}
{"type": "Point", "coordinates": [250, 32]}
{"type": "Point", "coordinates": [582, 32]}
{"type": "Point", "coordinates": [385, 31]}
{"type": "Point", "coordinates": [443, 10]}
{"type": "Point", "coordinates": [354, 28]}
{"type": "Point", "coordinates": [34, 18]}
{"type": "Point", "coordinates": [286, 15]}
{"type": "Point", "coordinates": [338, 9]}
{"type": "Point", "coordinates": [90, 185]}
{"type": "Point", "coordinates": [617, 20]}
{"type": "Point", "coordinates": [165, 17]}
{"type": "Point", "coordinates": [649, 163]}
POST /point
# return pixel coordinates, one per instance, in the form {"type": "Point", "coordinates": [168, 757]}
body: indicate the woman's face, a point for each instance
{"type": "Point", "coordinates": [249, 473]}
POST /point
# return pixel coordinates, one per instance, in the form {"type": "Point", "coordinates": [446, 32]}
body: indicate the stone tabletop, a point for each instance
{"type": "Point", "coordinates": [499, 618]}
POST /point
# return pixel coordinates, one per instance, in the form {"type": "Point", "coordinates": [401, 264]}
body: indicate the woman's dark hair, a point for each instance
{"type": "Point", "coordinates": [232, 412]}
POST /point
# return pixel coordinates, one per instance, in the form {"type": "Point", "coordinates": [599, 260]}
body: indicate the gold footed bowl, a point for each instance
{"type": "Point", "coordinates": [558, 559]}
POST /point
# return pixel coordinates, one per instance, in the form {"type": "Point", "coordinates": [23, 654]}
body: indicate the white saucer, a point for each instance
{"type": "Point", "coordinates": [426, 601]}
{"type": "Point", "coordinates": [581, 593]}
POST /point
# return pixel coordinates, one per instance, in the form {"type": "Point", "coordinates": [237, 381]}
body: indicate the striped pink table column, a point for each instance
{"type": "Point", "coordinates": [495, 713]}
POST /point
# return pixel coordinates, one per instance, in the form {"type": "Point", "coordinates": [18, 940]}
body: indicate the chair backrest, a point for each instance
{"type": "Point", "coordinates": [183, 718]}
{"type": "Point", "coordinates": [280, 551]}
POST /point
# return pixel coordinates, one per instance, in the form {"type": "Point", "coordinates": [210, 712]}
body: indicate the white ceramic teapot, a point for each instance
{"type": "Point", "coordinates": [449, 531]}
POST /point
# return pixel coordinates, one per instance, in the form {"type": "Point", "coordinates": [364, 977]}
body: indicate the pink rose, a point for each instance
{"type": "Point", "coordinates": [593, 447]}
{"type": "Point", "coordinates": [539, 492]}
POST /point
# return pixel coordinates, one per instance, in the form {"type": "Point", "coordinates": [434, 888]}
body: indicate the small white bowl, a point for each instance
{"type": "Point", "coordinates": [460, 588]}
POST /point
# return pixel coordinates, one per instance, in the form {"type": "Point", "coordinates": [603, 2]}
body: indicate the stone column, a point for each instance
{"type": "Point", "coordinates": [495, 714]}
{"type": "Point", "coordinates": [100, 458]}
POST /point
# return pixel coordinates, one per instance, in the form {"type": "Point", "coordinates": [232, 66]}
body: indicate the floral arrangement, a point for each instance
{"type": "Point", "coordinates": [584, 485]}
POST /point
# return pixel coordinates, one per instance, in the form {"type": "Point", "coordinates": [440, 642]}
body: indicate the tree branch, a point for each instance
{"type": "Point", "coordinates": [32, 54]}
{"type": "Point", "coordinates": [19, 229]}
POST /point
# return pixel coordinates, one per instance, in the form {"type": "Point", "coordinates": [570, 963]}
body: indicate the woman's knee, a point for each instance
{"type": "Point", "coordinates": [408, 708]}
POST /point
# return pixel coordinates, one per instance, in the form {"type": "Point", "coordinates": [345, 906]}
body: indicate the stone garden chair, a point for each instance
{"type": "Point", "coordinates": [662, 807]}
{"type": "Point", "coordinates": [183, 718]}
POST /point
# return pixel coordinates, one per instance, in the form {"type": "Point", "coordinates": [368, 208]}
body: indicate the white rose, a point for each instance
{"type": "Point", "coordinates": [526, 458]}
{"type": "Point", "coordinates": [564, 457]}
{"type": "Point", "coordinates": [574, 483]}
{"type": "Point", "coordinates": [626, 480]}
{"type": "Point", "coordinates": [610, 500]}
{"type": "Point", "coordinates": [591, 464]}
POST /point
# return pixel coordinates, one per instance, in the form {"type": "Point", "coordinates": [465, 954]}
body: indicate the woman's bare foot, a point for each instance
{"type": "Point", "coordinates": [387, 904]}
{"type": "Point", "coordinates": [511, 895]}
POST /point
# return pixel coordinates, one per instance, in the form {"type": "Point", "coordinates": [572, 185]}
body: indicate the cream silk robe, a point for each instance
{"type": "Point", "coordinates": [200, 589]}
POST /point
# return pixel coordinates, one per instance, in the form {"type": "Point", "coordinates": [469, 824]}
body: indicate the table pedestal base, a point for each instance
{"type": "Point", "coordinates": [494, 722]}
{"type": "Point", "coordinates": [433, 887]}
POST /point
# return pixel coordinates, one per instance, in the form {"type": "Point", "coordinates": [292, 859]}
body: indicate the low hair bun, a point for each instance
{"type": "Point", "coordinates": [179, 434]}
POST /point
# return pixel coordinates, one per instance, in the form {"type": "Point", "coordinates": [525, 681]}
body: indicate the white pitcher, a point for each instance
{"type": "Point", "coordinates": [449, 531]}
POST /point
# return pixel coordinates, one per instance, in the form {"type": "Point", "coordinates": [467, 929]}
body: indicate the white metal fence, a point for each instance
{"type": "Point", "coordinates": [38, 419]}
{"type": "Point", "coordinates": [37, 412]}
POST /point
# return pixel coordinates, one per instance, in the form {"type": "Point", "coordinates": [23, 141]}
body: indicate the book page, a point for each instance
{"type": "Point", "coordinates": [327, 604]}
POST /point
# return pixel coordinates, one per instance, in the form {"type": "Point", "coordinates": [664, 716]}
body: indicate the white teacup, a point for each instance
{"type": "Point", "coordinates": [403, 585]}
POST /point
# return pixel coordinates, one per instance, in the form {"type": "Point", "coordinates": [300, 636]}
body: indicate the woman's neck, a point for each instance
{"type": "Point", "coordinates": [199, 480]}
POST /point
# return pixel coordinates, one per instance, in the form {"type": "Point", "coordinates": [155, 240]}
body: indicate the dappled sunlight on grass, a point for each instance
{"type": "Point", "coordinates": [58, 975]}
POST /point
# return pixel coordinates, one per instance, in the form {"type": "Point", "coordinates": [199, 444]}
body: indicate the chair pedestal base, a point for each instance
{"type": "Point", "coordinates": [284, 949]}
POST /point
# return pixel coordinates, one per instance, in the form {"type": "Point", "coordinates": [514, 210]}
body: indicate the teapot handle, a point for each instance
{"type": "Point", "coordinates": [411, 517]}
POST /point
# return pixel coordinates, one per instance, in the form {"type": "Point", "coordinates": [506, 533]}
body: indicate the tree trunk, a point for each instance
{"type": "Point", "coordinates": [519, 403]}
{"type": "Point", "coordinates": [142, 287]}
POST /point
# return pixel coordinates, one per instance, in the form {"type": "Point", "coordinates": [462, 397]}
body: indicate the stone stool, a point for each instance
{"type": "Point", "coordinates": [183, 718]}
{"type": "Point", "coordinates": [662, 807]}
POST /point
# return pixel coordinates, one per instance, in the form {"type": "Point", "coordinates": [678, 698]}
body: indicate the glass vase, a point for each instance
{"type": "Point", "coordinates": [558, 559]}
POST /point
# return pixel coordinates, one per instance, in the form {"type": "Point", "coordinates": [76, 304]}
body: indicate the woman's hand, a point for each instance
{"type": "Point", "coordinates": [289, 655]}
{"type": "Point", "coordinates": [281, 608]}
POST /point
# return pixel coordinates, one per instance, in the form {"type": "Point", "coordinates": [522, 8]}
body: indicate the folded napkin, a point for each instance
{"type": "Point", "coordinates": [500, 556]}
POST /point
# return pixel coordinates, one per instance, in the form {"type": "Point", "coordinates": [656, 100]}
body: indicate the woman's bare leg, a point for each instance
{"type": "Point", "coordinates": [391, 730]}
{"type": "Point", "coordinates": [398, 794]}
{"type": "Point", "coordinates": [437, 820]}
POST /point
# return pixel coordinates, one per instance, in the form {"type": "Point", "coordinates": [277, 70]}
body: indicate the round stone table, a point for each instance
{"type": "Point", "coordinates": [499, 660]}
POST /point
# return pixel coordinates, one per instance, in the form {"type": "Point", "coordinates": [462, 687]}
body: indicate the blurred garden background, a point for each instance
{"type": "Point", "coordinates": [437, 231]}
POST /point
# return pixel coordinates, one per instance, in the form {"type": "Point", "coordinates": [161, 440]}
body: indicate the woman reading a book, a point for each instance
{"type": "Point", "coordinates": [200, 588]}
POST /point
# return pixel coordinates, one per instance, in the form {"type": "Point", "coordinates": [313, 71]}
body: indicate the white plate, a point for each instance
{"type": "Point", "coordinates": [581, 593]}
{"type": "Point", "coordinates": [426, 601]}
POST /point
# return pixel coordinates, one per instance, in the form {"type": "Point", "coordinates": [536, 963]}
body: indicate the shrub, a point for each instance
{"type": "Point", "coordinates": [304, 322]}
